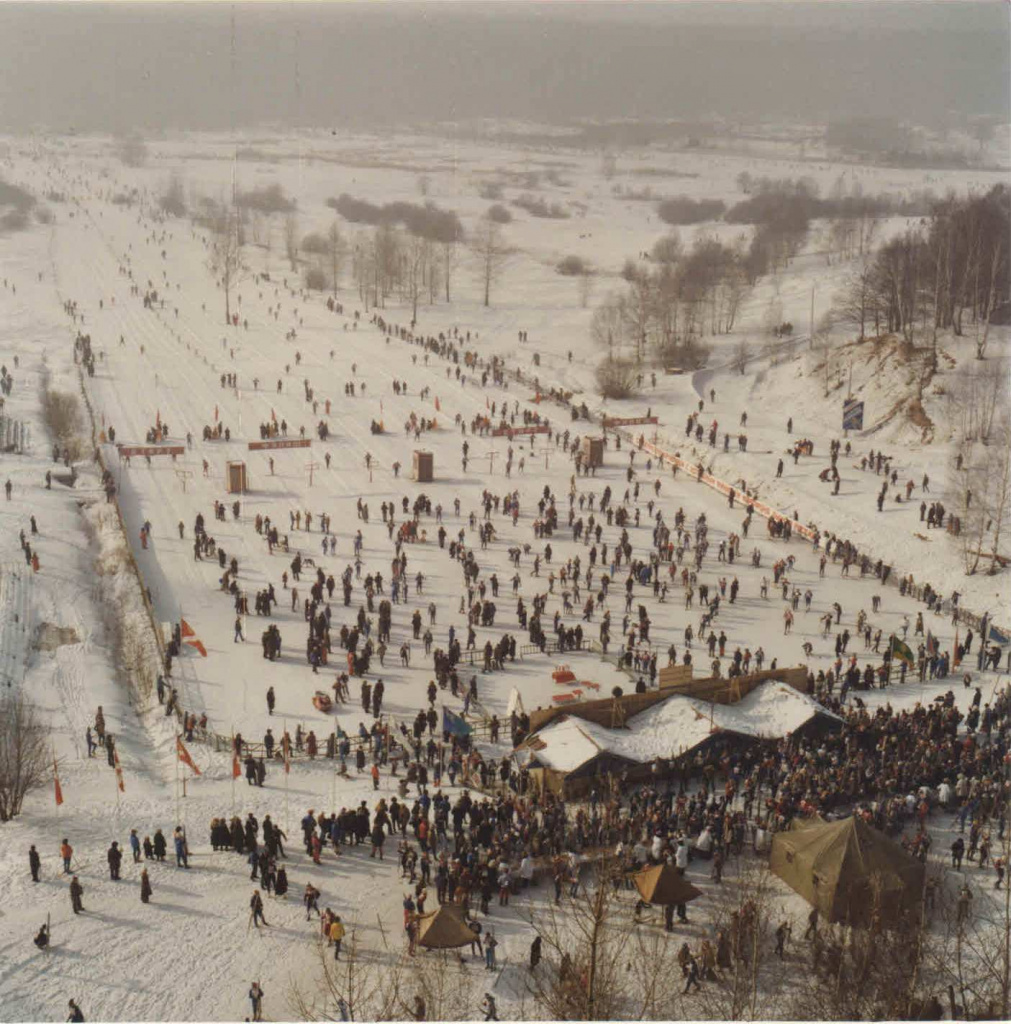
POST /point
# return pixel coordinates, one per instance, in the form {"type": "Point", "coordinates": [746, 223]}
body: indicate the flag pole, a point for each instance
{"type": "Point", "coordinates": [178, 819]}
{"type": "Point", "coordinates": [287, 762]}
{"type": "Point", "coordinates": [333, 788]}
{"type": "Point", "coordinates": [231, 769]}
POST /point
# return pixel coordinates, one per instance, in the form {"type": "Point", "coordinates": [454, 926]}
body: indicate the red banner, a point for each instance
{"type": "Point", "coordinates": [128, 451]}
{"type": "Point", "coordinates": [298, 442]}
{"type": "Point", "coordinates": [540, 428]}
{"type": "Point", "coordinates": [629, 421]}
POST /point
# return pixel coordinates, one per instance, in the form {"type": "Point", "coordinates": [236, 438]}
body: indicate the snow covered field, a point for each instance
{"type": "Point", "coordinates": [189, 955]}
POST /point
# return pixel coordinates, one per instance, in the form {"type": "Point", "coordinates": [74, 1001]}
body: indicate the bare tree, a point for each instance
{"type": "Point", "coordinates": [608, 325]}
{"type": "Point", "coordinates": [492, 254]}
{"type": "Point", "coordinates": [415, 255]}
{"type": "Point", "coordinates": [362, 985]}
{"type": "Point", "coordinates": [449, 254]}
{"type": "Point", "coordinates": [291, 239]}
{"type": "Point", "coordinates": [24, 753]}
{"type": "Point", "coordinates": [386, 262]}
{"type": "Point", "coordinates": [335, 251]}
{"type": "Point", "coordinates": [995, 266]}
{"type": "Point", "coordinates": [855, 305]}
{"type": "Point", "coordinates": [597, 963]}
{"type": "Point", "coordinates": [741, 354]}
{"type": "Point", "coordinates": [226, 262]}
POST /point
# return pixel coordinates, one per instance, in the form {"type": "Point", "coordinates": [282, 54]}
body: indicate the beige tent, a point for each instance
{"type": "Point", "coordinates": [847, 869]}
{"type": "Point", "coordinates": [444, 928]}
{"type": "Point", "coordinates": [661, 884]}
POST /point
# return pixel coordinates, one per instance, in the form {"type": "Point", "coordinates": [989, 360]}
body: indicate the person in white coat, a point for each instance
{"type": "Point", "coordinates": [681, 856]}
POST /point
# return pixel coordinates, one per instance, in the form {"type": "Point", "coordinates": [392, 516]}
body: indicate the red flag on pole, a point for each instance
{"type": "Point", "coordinates": [236, 770]}
{"type": "Point", "coordinates": [119, 771]}
{"type": "Point", "coordinates": [184, 755]}
{"type": "Point", "coordinates": [56, 783]}
{"type": "Point", "coordinates": [185, 628]}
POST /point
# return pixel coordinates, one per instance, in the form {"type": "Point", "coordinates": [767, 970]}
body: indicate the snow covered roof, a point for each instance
{"type": "Point", "coordinates": [568, 743]}
{"type": "Point", "coordinates": [675, 726]}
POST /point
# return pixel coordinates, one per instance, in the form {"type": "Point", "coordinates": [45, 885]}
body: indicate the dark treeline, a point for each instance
{"type": "Point", "coordinates": [427, 221]}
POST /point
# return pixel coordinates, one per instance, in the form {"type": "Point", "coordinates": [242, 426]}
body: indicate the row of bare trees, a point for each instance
{"type": "Point", "coordinates": [671, 303]}
{"type": "Point", "coordinates": [604, 958]}
{"type": "Point", "coordinates": [952, 270]}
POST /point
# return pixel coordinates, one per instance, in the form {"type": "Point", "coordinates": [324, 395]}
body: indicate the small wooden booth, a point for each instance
{"type": "Point", "coordinates": [593, 451]}
{"type": "Point", "coordinates": [235, 478]}
{"type": "Point", "coordinates": [424, 467]}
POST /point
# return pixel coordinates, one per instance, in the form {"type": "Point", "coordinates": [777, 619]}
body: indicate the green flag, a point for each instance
{"type": "Point", "coordinates": [901, 651]}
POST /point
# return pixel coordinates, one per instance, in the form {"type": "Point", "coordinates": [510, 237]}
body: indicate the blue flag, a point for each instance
{"type": "Point", "coordinates": [454, 724]}
{"type": "Point", "coordinates": [998, 636]}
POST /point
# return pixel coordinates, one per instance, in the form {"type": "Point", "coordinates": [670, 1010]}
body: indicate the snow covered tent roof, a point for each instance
{"type": "Point", "coordinates": [673, 727]}
{"type": "Point", "coordinates": [572, 743]}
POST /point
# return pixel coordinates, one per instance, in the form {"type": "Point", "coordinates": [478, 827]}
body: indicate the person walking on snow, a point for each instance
{"type": "Point", "coordinates": [256, 999]}
{"type": "Point", "coordinates": [256, 908]}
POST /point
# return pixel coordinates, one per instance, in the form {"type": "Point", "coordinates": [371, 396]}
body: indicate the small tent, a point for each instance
{"type": "Point", "coordinates": [444, 928]}
{"type": "Point", "coordinates": [661, 884]}
{"type": "Point", "coordinates": [848, 870]}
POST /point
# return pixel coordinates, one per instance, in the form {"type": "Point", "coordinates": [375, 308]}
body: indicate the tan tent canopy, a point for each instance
{"type": "Point", "coordinates": [444, 928]}
{"type": "Point", "coordinates": [662, 885]}
{"type": "Point", "coordinates": [848, 870]}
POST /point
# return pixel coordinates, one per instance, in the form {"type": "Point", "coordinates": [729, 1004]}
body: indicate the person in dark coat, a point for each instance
{"type": "Point", "coordinates": [76, 894]}
{"type": "Point", "coordinates": [145, 887]}
{"type": "Point", "coordinates": [115, 858]}
{"type": "Point", "coordinates": [34, 862]}
{"type": "Point", "coordinates": [42, 939]}
{"type": "Point", "coordinates": [160, 846]}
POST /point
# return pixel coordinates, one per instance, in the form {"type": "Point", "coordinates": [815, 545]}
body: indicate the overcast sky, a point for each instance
{"type": "Point", "coordinates": [88, 67]}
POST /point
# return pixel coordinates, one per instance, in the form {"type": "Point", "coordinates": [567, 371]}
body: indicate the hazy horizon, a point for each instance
{"type": "Point", "coordinates": [148, 67]}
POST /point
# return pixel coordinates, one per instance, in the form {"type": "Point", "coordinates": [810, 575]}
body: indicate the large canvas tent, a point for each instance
{"type": "Point", "coordinates": [662, 885]}
{"type": "Point", "coordinates": [444, 928]}
{"type": "Point", "coordinates": [848, 870]}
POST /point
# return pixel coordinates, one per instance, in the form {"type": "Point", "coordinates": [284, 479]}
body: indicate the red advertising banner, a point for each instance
{"type": "Point", "coordinates": [629, 421]}
{"type": "Point", "coordinates": [540, 428]}
{"type": "Point", "coordinates": [128, 451]}
{"type": "Point", "coordinates": [298, 442]}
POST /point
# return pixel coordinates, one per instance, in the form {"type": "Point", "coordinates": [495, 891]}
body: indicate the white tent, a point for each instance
{"type": "Point", "coordinates": [674, 727]}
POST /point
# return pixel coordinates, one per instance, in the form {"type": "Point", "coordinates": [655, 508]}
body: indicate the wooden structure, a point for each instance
{"type": "Point", "coordinates": [236, 481]}
{"type": "Point", "coordinates": [674, 676]}
{"type": "Point", "coordinates": [423, 470]}
{"type": "Point", "coordinates": [593, 451]}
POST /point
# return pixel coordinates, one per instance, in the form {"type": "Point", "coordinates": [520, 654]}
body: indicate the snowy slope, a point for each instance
{"type": "Point", "coordinates": [169, 365]}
